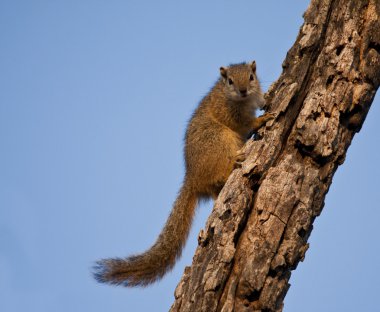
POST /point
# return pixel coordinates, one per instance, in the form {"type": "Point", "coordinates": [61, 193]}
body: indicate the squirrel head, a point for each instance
{"type": "Point", "coordinates": [241, 83]}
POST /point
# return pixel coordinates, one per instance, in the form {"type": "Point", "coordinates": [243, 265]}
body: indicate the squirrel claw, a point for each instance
{"type": "Point", "coordinates": [239, 159]}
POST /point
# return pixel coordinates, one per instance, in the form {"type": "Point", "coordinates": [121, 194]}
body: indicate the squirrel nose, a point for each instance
{"type": "Point", "coordinates": [243, 92]}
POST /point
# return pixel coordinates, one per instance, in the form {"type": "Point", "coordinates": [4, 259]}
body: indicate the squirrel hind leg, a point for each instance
{"type": "Point", "coordinates": [216, 189]}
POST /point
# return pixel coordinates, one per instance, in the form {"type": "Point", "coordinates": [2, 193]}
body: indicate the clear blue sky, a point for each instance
{"type": "Point", "coordinates": [94, 100]}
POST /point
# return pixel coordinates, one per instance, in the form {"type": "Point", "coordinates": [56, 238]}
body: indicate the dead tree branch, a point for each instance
{"type": "Point", "coordinates": [260, 224]}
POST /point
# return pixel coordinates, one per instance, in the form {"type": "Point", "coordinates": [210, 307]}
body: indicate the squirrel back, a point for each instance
{"type": "Point", "coordinates": [215, 134]}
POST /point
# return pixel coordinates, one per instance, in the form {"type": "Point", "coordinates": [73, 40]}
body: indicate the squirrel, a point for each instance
{"type": "Point", "coordinates": [216, 132]}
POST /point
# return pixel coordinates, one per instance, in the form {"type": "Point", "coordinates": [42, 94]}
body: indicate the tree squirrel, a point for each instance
{"type": "Point", "coordinates": [215, 134]}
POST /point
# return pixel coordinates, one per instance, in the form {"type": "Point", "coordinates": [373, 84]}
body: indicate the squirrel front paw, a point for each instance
{"type": "Point", "coordinates": [268, 116]}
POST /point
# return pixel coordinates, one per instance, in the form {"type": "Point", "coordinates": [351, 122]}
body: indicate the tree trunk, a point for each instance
{"type": "Point", "coordinates": [259, 227]}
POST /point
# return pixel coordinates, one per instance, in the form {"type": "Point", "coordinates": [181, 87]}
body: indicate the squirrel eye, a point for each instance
{"type": "Point", "coordinates": [251, 77]}
{"type": "Point", "coordinates": [230, 81]}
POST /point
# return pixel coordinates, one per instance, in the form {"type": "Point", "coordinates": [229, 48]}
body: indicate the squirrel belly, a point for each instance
{"type": "Point", "coordinates": [216, 132]}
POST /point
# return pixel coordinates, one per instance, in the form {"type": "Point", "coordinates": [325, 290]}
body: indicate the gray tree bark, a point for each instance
{"type": "Point", "coordinates": [259, 227]}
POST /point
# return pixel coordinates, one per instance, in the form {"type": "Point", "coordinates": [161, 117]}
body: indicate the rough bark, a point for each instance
{"type": "Point", "coordinates": [259, 227]}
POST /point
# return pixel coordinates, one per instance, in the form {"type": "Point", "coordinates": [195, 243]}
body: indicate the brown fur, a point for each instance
{"type": "Point", "coordinates": [215, 134]}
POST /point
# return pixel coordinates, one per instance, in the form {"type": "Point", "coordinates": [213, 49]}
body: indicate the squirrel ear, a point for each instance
{"type": "Point", "coordinates": [253, 66]}
{"type": "Point", "coordinates": [223, 72]}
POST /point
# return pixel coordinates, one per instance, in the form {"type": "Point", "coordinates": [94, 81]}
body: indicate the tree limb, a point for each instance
{"type": "Point", "coordinates": [259, 227]}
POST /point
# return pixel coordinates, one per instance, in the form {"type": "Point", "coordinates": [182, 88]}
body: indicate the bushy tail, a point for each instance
{"type": "Point", "coordinates": [146, 268]}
